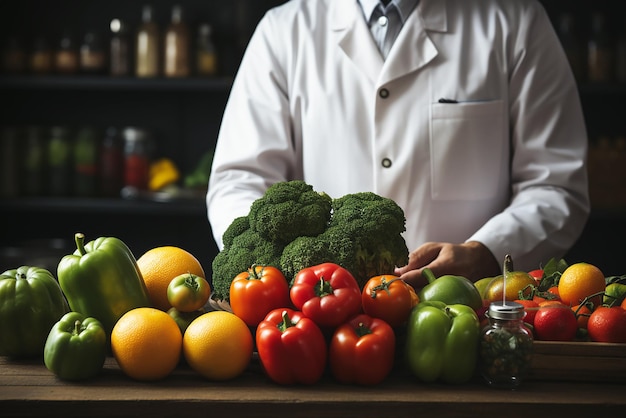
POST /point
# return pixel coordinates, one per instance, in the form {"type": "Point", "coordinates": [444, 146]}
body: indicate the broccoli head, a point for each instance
{"type": "Point", "coordinates": [246, 249]}
{"type": "Point", "coordinates": [288, 210]}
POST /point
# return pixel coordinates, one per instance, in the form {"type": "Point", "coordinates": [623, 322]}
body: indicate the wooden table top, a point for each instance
{"type": "Point", "coordinates": [27, 388]}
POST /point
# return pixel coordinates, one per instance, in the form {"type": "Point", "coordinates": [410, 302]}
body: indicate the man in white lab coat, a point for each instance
{"type": "Point", "coordinates": [470, 121]}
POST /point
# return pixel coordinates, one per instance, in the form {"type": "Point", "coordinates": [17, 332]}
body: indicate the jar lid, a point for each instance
{"type": "Point", "coordinates": [135, 134]}
{"type": "Point", "coordinates": [506, 310]}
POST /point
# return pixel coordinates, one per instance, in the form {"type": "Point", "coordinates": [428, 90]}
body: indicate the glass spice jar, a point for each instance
{"type": "Point", "coordinates": [137, 147]}
{"type": "Point", "coordinates": [506, 346]}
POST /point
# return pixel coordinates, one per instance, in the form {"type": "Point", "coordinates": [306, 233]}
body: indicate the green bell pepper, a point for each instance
{"type": "Point", "coordinates": [614, 294]}
{"type": "Point", "coordinates": [451, 290]}
{"type": "Point", "coordinates": [76, 347]}
{"type": "Point", "coordinates": [31, 301]}
{"type": "Point", "coordinates": [442, 342]}
{"type": "Point", "coordinates": [101, 279]}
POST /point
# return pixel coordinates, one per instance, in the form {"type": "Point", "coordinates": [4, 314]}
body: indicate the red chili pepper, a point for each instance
{"type": "Point", "coordinates": [291, 347]}
{"type": "Point", "coordinates": [362, 351]}
{"type": "Point", "coordinates": [327, 293]}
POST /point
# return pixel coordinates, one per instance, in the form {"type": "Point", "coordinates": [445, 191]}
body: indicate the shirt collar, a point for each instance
{"type": "Point", "coordinates": [405, 7]}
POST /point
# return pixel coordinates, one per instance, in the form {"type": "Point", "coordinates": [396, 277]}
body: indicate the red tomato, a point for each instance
{"type": "Point", "coordinates": [389, 298]}
{"type": "Point", "coordinates": [607, 325]}
{"type": "Point", "coordinates": [254, 293]}
{"type": "Point", "coordinates": [362, 351]}
{"type": "Point", "coordinates": [530, 307]}
{"type": "Point", "coordinates": [536, 274]}
{"type": "Point", "coordinates": [555, 321]}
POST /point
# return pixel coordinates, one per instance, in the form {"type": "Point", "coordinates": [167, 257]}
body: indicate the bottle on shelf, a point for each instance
{"type": "Point", "coordinates": [85, 162]}
{"type": "Point", "coordinates": [599, 51]}
{"type": "Point", "coordinates": [176, 51]}
{"type": "Point", "coordinates": [66, 56]}
{"type": "Point", "coordinates": [620, 56]}
{"type": "Point", "coordinates": [111, 163]}
{"type": "Point", "coordinates": [206, 53]}
{"type": "Point", "coordinates": [40, 57]}
{"type": "Point", "coordinates": [13, 56]}
{"type": "Point", "coordinates": [92, 55]}
{"type": "Point", "coordinates": [119, 49]}
{"type": "Point", "coordinates": [9, 163]}
{"type": "Point", "coordinates": [59, 162]}
{"type": "Point", "coordinates": [147, 45]}
{"type": "Point", "coordinates": [572, 46]}
{"type": "Point", "coordinates": [33, 164]}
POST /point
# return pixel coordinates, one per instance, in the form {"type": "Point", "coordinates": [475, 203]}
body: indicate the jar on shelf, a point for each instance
{"type": "Point", "coordinates": [506, 345]}
{"type": "Point", "coordinates": [137, 155]}
{"type": "Point", "coordinates": [66, 56]}
{"type": "Point", "coordinates": [59, 161]}
{"type": "Point", "coordinates": [600, 51]}
{"type": "Point", "coordinates": [93, 57]}
{"type": "Point", "coordinates": [111, 163]}
{"type": "Point", "coordinates": [572, 46]}
{"type": "Point", "coordinates": [41, 57]}
{"type": "Point", "coordinates": [13, 56]}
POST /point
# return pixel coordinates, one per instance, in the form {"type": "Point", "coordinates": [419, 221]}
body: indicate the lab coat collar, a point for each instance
{"type": "Point", "coordinates": [351, 29]}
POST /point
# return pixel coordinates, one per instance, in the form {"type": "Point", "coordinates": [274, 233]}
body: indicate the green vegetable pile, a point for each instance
{"type": "Point", "coordinates": [292, 227]}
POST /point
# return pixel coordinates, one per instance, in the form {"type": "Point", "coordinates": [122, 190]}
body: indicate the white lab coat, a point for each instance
{"type": "Point", "coordinates": [504, 165]}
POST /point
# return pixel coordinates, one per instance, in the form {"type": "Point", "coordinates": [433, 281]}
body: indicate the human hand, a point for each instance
{"type": "Point", "coordinates": [471, 260]}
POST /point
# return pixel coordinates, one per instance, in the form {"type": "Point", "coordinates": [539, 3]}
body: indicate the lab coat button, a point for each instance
{"type": "Point", "coordinates": [386, 162]}
{"type": "Point", "coordinates": [383, 93]}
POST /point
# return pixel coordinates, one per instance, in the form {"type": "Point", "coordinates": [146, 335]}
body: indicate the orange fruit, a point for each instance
{"type": "Point", "coordinates": [515, 282]}
{"type": "Point", "coordinates": [160, 265]}
{"type": "Point", "coordinates": [555, 322]}
{"type": "Point", "coordinates": [579, 281]}
{"type": "Point", "coordinates": [146, 343]}
{"type": "Point", "coordinates": [218, 345]}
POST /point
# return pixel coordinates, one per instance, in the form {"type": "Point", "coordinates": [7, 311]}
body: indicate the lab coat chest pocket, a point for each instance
{"type": "Point", "coordinates": [466, 145]}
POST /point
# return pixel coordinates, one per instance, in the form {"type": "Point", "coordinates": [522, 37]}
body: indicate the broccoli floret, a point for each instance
{"type": "Point", "coordinates": [236, 228]}
{"type": "Point", "coordinates": [246, 249]}
{"type": "Point", "coordinates": [304, 252]}
{"type": "Point", "coordinates": [364, 234]}
{"type": "Point", "coordinates": [375, 212]}
{"type": "Point", "coordinates": [289, 210]}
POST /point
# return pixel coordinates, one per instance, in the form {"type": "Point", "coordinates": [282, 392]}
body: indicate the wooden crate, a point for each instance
{"type": "Point", "coordinates": [578, 361]}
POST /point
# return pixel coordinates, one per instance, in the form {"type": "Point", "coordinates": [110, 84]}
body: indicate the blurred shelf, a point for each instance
{"type": "Point", "coordinates": [107, 83]}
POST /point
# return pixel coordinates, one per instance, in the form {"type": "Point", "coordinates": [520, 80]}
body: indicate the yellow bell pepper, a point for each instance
{"type": "Point", "coordinates": [163, 172]}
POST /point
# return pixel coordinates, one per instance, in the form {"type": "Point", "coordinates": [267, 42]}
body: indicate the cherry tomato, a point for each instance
{"type": "Point", "coordinates": [188, 292]}
{"type": "Point", "coordinates": [389, 298]}
{"type": "Point", "coordinates": [536, 274]}
{"type": "Point", "coordinates": [607, 325]}
{"type": "Point", "coordinates": [257, 291]}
